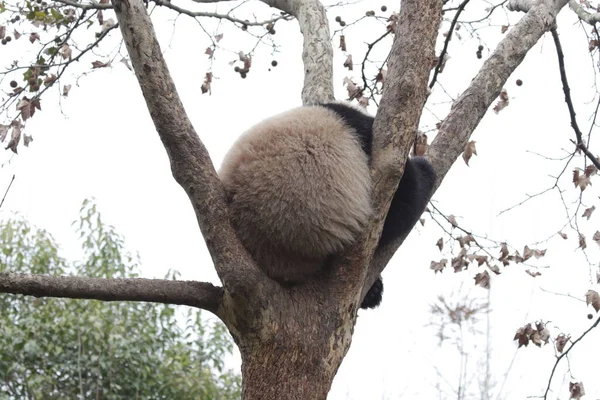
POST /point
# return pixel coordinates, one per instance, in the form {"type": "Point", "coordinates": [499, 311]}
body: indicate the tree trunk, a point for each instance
{"type": "Point", "coordinates": [290, 372]}
{"type": "Point", "coordinates": [294, 353]}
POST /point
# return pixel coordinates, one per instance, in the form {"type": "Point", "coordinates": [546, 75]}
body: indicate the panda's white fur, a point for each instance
{"type": "Point", "coordinates": [299, 190]}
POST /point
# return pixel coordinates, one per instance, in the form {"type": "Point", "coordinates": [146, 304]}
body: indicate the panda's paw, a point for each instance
{"type": "Point", "coordinates": [374, 295]}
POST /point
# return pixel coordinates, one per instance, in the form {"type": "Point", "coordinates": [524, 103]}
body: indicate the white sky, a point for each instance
{"type": "Point", "coordinates": [106, 146]}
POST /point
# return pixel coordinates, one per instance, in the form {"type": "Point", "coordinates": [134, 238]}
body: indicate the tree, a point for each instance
{"type": "Point", "coordinates": [288, 351]}
{"type": "Point", "coordinates": [63, 348]}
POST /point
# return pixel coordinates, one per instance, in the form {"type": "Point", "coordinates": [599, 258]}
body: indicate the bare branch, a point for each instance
{"type": "Point", "coordinates": [180, 10]}
{"type": "Point", "coordinates": [472, 105]}
{"type": "Point", "coordinates": [190, 293]}
{"type": "Point", "coordinates": [317, 50]}
{"type": "Point", "coordinates": [191, 165]}
{"type": "Point", "coordinates": [442, 55]}
{"type": "Point", "coordinates": [584, 15]}
{"type": "Point", "coordinates": [564, 354]}
{"type": "Point", "coordinates": [567, 91]}
{"type": "Point", "coordinates": [7, 189]}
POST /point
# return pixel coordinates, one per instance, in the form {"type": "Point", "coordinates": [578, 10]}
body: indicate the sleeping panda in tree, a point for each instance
{"type": "Point", "coordinates": [299, 190]}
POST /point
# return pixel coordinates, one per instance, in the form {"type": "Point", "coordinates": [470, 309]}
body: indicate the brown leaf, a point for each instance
{"type": "Point", "coordinates": [588, 212]}
{"type": "Point", "coordinates": [580, 180]}
{"type": "Point", "coordinates": [563, 235]}
{"type": "Point", "coordinates": [25, 107]}
{"type": "Point", "coordinates": [481, 260]}
{"type": "Point", "coordinates": [543, 333]}
{"type": "Point", "coordinates": [218, 37]}
{"type": "Point", "coordinates": [576, 390]}
{"type": "Point", "coordinates": [495, 269]}
{"type": "Point", "coordinates": [100, 17]}
{"type": "Point", "coordinates": [592, 45]}
{"type": "Point", "coordinates": [206, 85]}
{"type": "Point", "coordinates": [533, 273]}
{"type": "Point", "coordinates": [440, 244]}
{"type": "Point", "coordinates": [421, 145]}
{"type": "Point", "coordinates": [438, 266]}
{"type": "Point", "coordinates": [4, 132]}
{"type": "Point", "coordinates": [582, 243]}
{"type": "Point", "coordinates": [106, 25]}
{"type": "Point", "coordinates": [465, 240]}
{"type": "Point", "coordinates": [246, 59]}
{"type": "Point", "coordinates": [66, 89]}
{"type": "Point", "coordinates": [348, 62]}
{"type": "Point", "coordinates": [592, 297]}
{"type": "Point", "coordinates": [502, 101]}
{"type": "Point", "coordinates": [469, 151]}
{"type": "Point", "coordinates": [504, 29]}
{"type": "Point", "coordinates": [27, 139]}
{"type": "Point", "coordinates": [209, 51]}
{"type": "Point", "coordinates": [33, 37]}
{"type": "Point", "coordinates": [522, 335]}
{"type": "Point", "coordinates": [561, 341]}
{"type": "Point", "coordinates": [2, 31]}
{"type": "Point", "coordinates": [596, 237]}
{"type": "Point", "coordinates": [65, 51]}
{"type": "Point", "coordinates": [459, 263]}
{"type": "Point", "coordinates": [49, 80]}
{"type": "Point", "coordinates": [504, 251]}
{"type": "Point", "coordinates": [591, 170]}
{"type": "Point", "coordinates": [343, 42]}
{"type": "Point", "coordinates": [354, 91]}
{"type": "Point", "coordinates": [452, 220]}
{"type": "Point", "coordinates": [99, 64]}
{"type": "Point", "coordinates": [16, 34]}
{"type": "Point", "coordinates": [15, 136]}
{"type": "Point", "coordinates": [483, 279]}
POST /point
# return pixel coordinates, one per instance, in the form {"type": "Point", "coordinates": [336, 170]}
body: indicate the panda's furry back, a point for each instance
{"type": "Point", "coordinates": [299, 190]}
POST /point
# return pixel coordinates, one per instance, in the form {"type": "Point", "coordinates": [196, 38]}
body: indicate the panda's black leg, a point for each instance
{"type": "Point", "coordinates": [408, 204]}
{"type": "Point", "coordinates": [374, 295]}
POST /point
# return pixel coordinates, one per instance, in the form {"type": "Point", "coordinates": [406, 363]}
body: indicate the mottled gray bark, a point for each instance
{"type": "Point", "coordinates": [317, 51]}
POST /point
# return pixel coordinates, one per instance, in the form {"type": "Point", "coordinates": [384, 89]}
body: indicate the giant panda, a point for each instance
{"type": "Point", "coordinates": [298, 188]}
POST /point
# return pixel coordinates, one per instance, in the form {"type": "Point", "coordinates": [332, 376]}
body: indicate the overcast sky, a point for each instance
{"type": "Point", "coordinates": [100, 142]}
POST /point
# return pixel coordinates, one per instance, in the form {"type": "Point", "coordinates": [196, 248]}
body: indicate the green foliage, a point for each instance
{"type": "Point", "coordinates": [82, 349]}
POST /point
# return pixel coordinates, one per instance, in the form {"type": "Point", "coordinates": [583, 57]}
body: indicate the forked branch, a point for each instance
{"type": "Point", "coordinates": [191, 165]}
{"type": "Point", "coordinates": [468, 110]}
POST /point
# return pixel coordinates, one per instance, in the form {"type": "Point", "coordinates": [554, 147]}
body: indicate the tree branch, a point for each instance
{"type": "Point", "coordinates": [444, 51]}
{"type": "Point", "coordinates": [564, 354]}
{"type": "Point", "coordinates": [180, 10]}
{"type": "Point", "coordinates": [401, 106]}
{"type": "Point", "coordinates": [468, 110]}
{"type": "Point", "coordinates": [567, 91]}
{"type": "Point", "coordinates": [190, 293]}
{"type": "Point", "coordinates": [190, 162]}
{"type": "Point", "coordinates": [584, 15]}
{"type": "Point", "coordinates": [317, 50]}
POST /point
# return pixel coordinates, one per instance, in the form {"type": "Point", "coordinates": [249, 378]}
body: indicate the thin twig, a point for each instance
{"type": "Point", "coordinates": [7, 189]}
{"type": "Point", "coordinates": [569, 101]}
{"type": "Point", "coordinates": [565, 354]}
{"type": "Point", "coordinates": [440, 62]}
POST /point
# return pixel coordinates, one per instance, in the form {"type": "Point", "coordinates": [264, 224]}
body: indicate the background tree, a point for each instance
{"type": "Point", "coordinates": [63, 348]}
{"type": "Point", "coordinates": [405, 78]}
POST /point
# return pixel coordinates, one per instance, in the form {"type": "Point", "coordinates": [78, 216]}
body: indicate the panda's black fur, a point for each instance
{"type": "Point", "coordinates": [299, 190]}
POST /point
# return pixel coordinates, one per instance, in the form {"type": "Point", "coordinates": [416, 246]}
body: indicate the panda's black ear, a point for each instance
{"type": "Point", "coordinates": [374, 295]}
